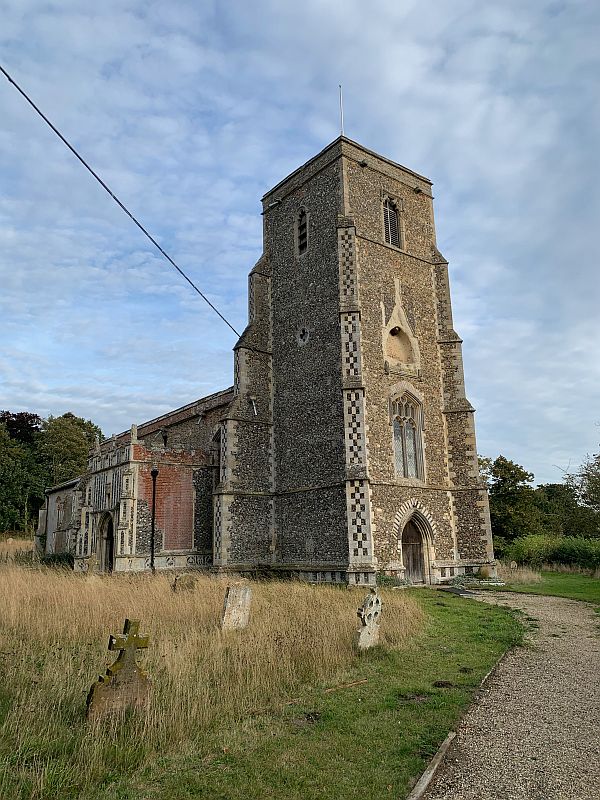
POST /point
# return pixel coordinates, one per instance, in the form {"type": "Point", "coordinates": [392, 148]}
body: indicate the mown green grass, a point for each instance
{"type": "Point", "coordinates": [370, 740]}
{"type": "Point", "coordinates": [562, 584]}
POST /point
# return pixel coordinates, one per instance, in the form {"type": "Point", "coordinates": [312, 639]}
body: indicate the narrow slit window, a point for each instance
{"type": "Point", "coordinates": [390, 223]}
{"type": "Point", "coordinates": [302, 232]}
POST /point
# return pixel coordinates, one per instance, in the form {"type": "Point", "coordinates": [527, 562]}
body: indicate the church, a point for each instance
{"type": "Point", "coordinates": [346, 446]}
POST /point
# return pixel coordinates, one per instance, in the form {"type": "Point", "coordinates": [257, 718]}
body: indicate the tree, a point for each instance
{"type": "Point", "coordinates": [22, 427]}
{"type": "Point", "coordinates": [13, 483]}
{"type": "Point", "coordinates": [22, 483]}
{"type": "Point", "coordinates": [513, 508]}
{"type": "Point", "coordinates": [562, 512]}
{"type": "Point", "coordinates": [571, 508]}
{"type": "Point", "coordinates": [34, 455]}
{"type": "Point", "coordinates": [586, 482]}
{"type": "Point", "coordinates": [64, 446]}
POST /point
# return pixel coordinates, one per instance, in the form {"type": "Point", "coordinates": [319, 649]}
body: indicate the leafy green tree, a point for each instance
{"type": "Point", "coordinates": [22, 481]}
{"type": "Point", "coordinates": [562, 512]}
{"type": "Point", "coordinates": [64, 445]}
{"type": "Point", "coordinates": [513, 508]}
{"type": "Point", "coordinates": [570, 509]}
{"type": "Point", "coordinates": [586, 482]}
{"type": "Point", "coordinates": [34, 455]}
{"type": "Point", "coordinates": [22, 427]}
{"type": "Point", "coordinates": [13, 482]}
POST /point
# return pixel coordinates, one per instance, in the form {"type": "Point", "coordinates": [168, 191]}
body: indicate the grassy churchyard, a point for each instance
{"type": "Point", "coordinates": [286, 708]}
{"type": "Point", "coordinates": [570, 584]}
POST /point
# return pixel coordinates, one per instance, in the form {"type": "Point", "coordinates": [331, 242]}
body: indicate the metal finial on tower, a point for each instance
{"type": "Point", "coordinates": [341, 110]}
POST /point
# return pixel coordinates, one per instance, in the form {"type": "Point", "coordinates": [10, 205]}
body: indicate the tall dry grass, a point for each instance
{"type": "Point", "coordinates": [572, 569]}
{"type": "Point", "coordinates": [54, 629]}
{"type": "Point", "coordinates": [12, 546]}
{"type": "Point", "coordinates": [520, 575]}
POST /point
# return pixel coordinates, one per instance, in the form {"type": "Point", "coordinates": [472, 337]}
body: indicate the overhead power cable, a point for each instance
{"type": "Point", "coordinates": [116, 199]}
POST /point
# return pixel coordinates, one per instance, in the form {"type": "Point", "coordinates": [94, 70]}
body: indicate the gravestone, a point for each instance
{"type": "Point", "coordinates": [184, 582]}
{"type": "Point", "coordinates": [369, 614]}
{"type": "Point", "coordinates": [125, 684]}
{"type": "Point", "coordinates": [236, 609]}
{"type": "Point", "coordinates": [513, 565]}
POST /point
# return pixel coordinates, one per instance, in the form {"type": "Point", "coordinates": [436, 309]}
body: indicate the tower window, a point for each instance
{"type": "Point", "coordinates": [390, 223]}
{"type": "Point", "coordinates": [302, 230]}
{"type": "Point", "coordinates": [408, 447]}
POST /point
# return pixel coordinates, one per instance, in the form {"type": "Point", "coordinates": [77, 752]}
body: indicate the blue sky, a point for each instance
{"type": "Point", "coordinates": [192, 110]}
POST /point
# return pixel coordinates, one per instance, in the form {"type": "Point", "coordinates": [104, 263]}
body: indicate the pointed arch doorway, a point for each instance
{"type": "Point", "coordinates": [412, 553]}
{"type": "Point", "coordinates": [107, 545]}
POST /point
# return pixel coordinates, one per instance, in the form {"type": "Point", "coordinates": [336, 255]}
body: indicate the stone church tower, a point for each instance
{"type": "Point", "coordinates": [349, 445]}
{"type": "Point", "coordinates": [346, 446]}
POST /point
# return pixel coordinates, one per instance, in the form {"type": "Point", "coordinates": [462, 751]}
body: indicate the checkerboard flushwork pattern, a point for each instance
{"type": "Point", "coordinates": [218, 525]}
{"type": "Point", "coordinates": [354, 419]}
{"type": "Point", "coordinates": [350, 345]}
{"type": "Point", "coordinates": [347, 266]}
{"type": "Point", "coordinates": [359, 527]}
{"type": "Point", "coordinates": [223, 454]}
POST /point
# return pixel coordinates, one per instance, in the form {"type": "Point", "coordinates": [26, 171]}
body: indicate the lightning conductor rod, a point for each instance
{"type": "Point", "coordinates": [341, 110]}
{"type": "Point", "coordinates": [116, 199]}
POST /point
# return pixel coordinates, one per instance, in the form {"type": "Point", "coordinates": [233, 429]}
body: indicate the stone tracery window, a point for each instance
{"type": "Point", "coordinates": [391, 225]}
{"type": "Point", "coordinates": [408, 443]}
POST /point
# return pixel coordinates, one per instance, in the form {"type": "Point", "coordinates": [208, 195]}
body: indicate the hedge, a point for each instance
{"type": "Point", "coordinates": [537, 550]}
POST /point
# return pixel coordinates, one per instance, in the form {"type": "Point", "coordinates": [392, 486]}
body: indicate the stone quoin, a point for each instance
{"type": "Point", "coordinates": [346, 446]}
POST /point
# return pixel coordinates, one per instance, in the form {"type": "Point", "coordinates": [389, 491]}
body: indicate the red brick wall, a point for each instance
{"type": "Point", "coordinates": [174, 503]}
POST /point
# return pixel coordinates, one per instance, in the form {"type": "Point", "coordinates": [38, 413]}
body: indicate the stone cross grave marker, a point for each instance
{"type": "Point", "coordinates": [125, 684]}
{"type": "Point", "coordinates": [236, 609]}
{"type": "Point", "coordinates": [369, 614]}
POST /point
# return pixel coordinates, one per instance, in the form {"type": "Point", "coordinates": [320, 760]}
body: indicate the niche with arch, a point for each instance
{"type": "Point", "coordinates": [400, 346]}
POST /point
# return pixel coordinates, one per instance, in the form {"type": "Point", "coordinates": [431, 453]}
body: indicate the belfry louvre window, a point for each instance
{"type": "Point", "coordinates": [390, 223]}
{"type": "Point", "coordinates": [408, 443]}
{"type": "Point", "coordinates": [302, 232]}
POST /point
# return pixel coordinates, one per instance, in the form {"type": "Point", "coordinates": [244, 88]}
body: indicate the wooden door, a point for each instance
{"type": "Point", "coordinates": [412, 554]}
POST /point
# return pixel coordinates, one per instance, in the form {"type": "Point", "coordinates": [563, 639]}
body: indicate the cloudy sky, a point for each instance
{"type": "Point", "coordinates": [192, 110]}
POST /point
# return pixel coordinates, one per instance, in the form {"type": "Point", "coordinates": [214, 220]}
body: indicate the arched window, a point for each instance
{"type": "Point", "coordinates": [408, 447]}
{"type": "Point", "coordinates": [302, 229]}
{"type": "Point", "coordinates": [390, 223]}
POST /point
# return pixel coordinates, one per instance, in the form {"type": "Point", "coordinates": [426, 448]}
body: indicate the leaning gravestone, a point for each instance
{"type": "Point", "coordinates": [184, 582]}
{"type": "Point", "coordinates": [236, 609]}
{"type": "Point", "coordinates": [125, 684]}
{"type": "Point", "coordinates": [369, 614]}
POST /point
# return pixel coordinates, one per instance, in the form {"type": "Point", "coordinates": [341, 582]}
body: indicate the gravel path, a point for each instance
{"type": "Point", "coordinates": [534, 732]}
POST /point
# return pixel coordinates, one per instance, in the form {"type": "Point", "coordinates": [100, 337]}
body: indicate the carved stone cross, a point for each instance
{"type": "Point", "coordinates": [127, 643]}
{"type": "Point", "coordinates": [125, 684]}
{"type": "Point", "coordinates": [369, 614]}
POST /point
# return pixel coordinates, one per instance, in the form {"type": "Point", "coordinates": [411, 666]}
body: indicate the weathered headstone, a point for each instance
{"type": "Point", "coordinates": [184, 582]}
{"type": "Point", "coordinates": [369, 614]}
{"type": "Point", "coordinates": [125, 684]}
{"type": "Point", "coordinates": [513, 565]}
{"type": "Point", "coordinates": [236, 609]}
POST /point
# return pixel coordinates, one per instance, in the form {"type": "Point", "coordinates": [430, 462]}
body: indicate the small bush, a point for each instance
{"type": "Point", "coordinates": [390, 580]}
{"type": "Point", "coordinates": [568, 550]}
